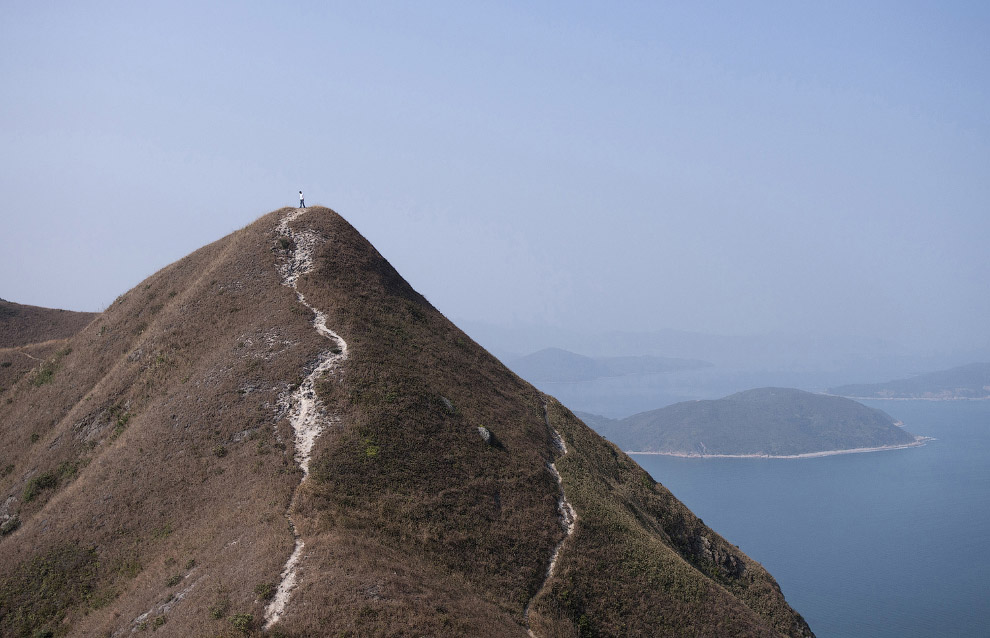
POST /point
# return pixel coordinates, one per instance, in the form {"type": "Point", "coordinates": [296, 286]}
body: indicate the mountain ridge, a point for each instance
{"type": "Point", "coordinates": [154, 475]}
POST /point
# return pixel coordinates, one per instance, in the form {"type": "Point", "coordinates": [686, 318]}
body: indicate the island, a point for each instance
{"type": "Point", "coordinates": [765, 422]}
{"type": "Point", "coordinates": [964, 382]}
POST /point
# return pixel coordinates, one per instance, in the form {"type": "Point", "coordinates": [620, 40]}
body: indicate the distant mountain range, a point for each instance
{"type": "Point", "coordinates": [965, 382]}
{"type": "Point", "coordinates": [278, 436]}
{"type": "Point", "coordinates": [557, 365]}
{"type": "Point", "coordinates": [777, 422]}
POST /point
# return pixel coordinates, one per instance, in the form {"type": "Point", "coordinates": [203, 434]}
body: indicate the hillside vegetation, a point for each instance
{"type": "Point", "coordinates": [147, 481]}
{"type": "Point", "coordinates": [30, 335]}
{"type": "Point", "coordinates": [965, 382]}
{"type": "Point", "coordinates": [22, 325]}
{"type": "Point", "coordinates": [763, 422]}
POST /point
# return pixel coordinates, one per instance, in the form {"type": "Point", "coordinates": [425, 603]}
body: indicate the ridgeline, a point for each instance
{"type": "Point", "coordinates": [154, 475]}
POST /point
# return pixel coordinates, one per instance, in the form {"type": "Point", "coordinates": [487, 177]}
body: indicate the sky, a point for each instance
{"type": "Point", "coordinates": [731, 168]}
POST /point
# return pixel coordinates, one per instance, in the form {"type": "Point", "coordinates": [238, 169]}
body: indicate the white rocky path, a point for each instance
{"type": "Point", "coordinates": [306, 413]}
{"type": "Point", "coordinates": [568, 517]}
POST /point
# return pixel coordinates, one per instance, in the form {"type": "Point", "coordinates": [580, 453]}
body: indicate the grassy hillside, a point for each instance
{"type": "Point", "coordinates": [22, 325]}
{"type": "Point", "coordinates": [31, 336]}
{"type": "Point", "coordinates": [147, 481]}
{"type": "Point", "coordinates": [965, 382]}
{"type": "Point", "coordinates": [768, 421]}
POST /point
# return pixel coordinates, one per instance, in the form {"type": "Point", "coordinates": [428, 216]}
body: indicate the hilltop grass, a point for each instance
{"type": "Point", "coordinates": [413, 522]}
{"type": "Point", "coordinates": [411, 471]}
{"type": "Point", "coordinates": [408, 469]}
{"type": "Point", "coordinates": [172, 336]}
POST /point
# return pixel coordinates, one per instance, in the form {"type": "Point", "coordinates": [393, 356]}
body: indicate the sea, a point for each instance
{"type": "Point", "coordinates": [874, 545]}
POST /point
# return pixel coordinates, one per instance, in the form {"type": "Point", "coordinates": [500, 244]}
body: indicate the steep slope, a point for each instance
{"type": "Point", "coordinates": [161, 478]}
{"type": "Point", "coordinates": [761, 422]}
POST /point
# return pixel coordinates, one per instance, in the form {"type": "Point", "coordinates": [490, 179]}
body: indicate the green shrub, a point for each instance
{"type": "Point", "coordinates": [38, 483]}
{"type": "Point", "coordinates": [264, 590]}
{"type": "Point", "coordinates": [242, 622]}
{"type": "Point", "coordinates": [120, 419]}
{"type": "Point", "coordinates": [221, 605]}
{"type": "Point", "coordinates": [46, 371]}
{"type": "Point", "coordinates": [10, 525]}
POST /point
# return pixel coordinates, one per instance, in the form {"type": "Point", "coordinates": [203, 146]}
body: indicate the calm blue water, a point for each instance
{"type": "Point", "coordinates": [875, 545]}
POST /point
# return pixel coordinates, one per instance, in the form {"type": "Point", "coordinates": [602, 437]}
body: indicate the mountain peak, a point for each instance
{"type": "Point", "coordinates": [278, 431]}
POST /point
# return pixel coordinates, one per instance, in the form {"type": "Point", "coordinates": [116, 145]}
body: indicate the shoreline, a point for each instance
{"type": "Point", "coordinates": [918, 442]}
{"type": "Point", "coordinates": [909, 398]}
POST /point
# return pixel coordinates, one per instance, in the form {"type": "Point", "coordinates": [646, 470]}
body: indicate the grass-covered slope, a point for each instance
{"type": "Point", "coordinates": [30, 335]}
{"type": "Point", "coordinates": [409, 472]}
{"type": "Point", "coordinates": [148, 480]}
{"type": "Point", "coordinates": [641, 564]}
{"type": "Point", "coordinates": [146, 473]}
{"type": "Point", "coordinates": [766, 421]}
{"type": "Point", "coordinates": [964, 382]}
{"type": "Point", "coordinates": [21, 325]}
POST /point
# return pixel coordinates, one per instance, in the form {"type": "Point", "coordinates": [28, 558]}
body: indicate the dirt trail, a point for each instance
{"type": "Point", "coordinates": [568, 517]}
{"type": "Point", "coordinates": [306, 413]}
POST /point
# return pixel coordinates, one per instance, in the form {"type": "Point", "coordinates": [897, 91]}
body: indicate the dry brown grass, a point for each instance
{"type": "Point", "coordinates": [168, 469]}
{"type": "Point", "coordinates": [22, 325]}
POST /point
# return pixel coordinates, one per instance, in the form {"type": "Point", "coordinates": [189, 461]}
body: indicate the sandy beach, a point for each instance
{"type": "Point", "coordinates": [919, 441]}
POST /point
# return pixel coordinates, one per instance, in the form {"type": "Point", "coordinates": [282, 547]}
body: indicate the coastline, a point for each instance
{"type": "Point", "coordinates": [918, 442]}
{"type": "Point", "coordinates": [910, 398]}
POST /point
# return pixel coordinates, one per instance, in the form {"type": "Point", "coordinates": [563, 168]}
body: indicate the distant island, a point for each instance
{"type": "Point", "coordinates": [965, 382]}
{"type": "Point", "coordinates": [767, 422]}
{"type": "Point", "coordinates": [557, 365]}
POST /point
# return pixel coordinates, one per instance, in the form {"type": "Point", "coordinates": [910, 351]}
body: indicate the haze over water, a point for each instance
{"type": "Point", "coordinates": [882, 545]}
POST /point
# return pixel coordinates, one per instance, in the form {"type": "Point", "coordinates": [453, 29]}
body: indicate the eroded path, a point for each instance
{"type": "Point", "coordinates": [306, 413]}
{"type": "Point", "coordinates": [568, 517]}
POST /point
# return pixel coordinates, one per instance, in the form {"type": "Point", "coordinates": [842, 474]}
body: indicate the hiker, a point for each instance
{"type": "Point", "coordinates": [302, 202]}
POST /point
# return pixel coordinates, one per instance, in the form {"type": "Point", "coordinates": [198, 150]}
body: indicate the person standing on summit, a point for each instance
{"type": "Point", "coordinates": [302, 202]}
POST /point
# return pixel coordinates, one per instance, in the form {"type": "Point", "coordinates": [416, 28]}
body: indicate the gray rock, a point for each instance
{"type": "Point", "coordinates": [447, 405]}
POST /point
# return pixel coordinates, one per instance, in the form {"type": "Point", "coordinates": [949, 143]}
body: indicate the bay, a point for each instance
{"type": "Point", "coordinates": [883, 544]}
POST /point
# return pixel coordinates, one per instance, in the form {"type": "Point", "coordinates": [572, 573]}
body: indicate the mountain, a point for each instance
{"type": "Point", "coordinates": [277, 435]}
{"type": "Point", "coordinates": [764, 422]}
{"type": "Point", "coordinates": [557, 365]}
{"type": "Point", "coordinates": [30, 335]}
{"type": "Point", "coordinates": [21, 325]}
{"type": "Point", "coordinates": [964, 382]}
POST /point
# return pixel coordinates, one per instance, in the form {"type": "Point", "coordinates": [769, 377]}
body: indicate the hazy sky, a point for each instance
{"type": "Point", "coordinates": [724, 167]}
